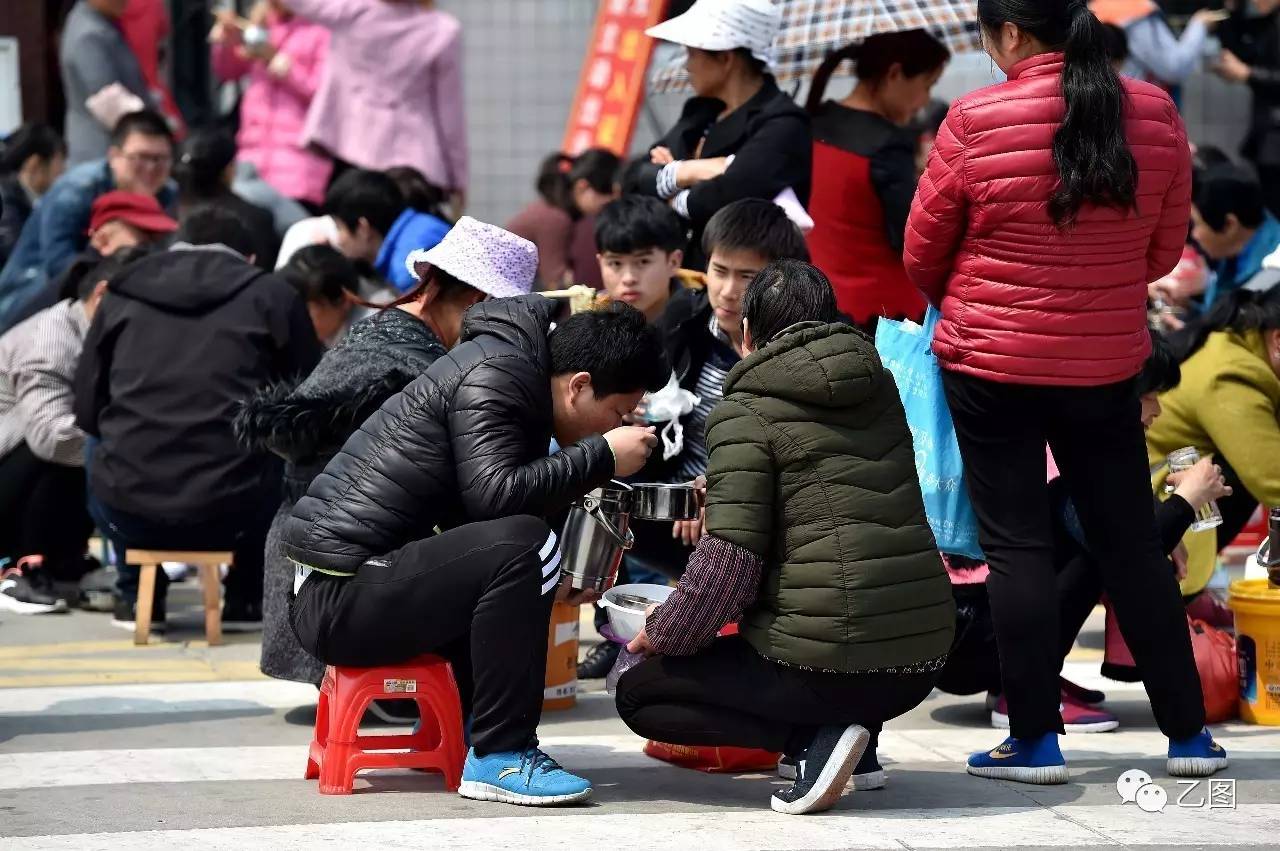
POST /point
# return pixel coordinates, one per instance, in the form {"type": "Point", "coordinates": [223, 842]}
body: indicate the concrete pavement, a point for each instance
{"type": "Point", "coordinates": [103, 745]}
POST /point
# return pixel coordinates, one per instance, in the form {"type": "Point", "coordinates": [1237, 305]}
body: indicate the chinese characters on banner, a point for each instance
{"type": "Point", "coordinates": [611, 85]}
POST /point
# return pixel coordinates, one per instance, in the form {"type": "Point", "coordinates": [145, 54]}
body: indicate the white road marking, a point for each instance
{"type": "Point", "coordinates": [843, 828]}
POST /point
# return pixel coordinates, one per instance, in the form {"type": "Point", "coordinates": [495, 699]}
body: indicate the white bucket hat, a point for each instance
{"type": "Point", "coordinates": [725, 25]}
{"type": "Point", "coordinates": [493, 260]}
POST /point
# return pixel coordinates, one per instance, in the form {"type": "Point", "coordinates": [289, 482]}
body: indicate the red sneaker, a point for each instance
{"type": "Point", "coordinates": [1076, 717]}
{"type": "Point", "coordinates": [1080, 694]}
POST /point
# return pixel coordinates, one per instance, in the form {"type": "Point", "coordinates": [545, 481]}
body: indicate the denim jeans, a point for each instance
{"type": "Point", "coordinates": [244, 533]}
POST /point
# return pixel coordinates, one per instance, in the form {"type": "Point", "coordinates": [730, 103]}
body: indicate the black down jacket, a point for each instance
{"type": "Point", "coordinates": [467, 441]}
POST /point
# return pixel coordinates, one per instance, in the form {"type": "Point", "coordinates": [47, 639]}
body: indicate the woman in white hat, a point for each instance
{"type": "Point", "coordinates": [307, 424]}
{"type": "Point", "coordinates": [738, 112]}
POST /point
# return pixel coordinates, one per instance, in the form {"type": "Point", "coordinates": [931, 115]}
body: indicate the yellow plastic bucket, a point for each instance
{"type": "Point", "coordinates": [1257, 609]}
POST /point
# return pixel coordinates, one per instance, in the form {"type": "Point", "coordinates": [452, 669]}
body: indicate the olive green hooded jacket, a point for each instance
{"type": "Point", "coordinates": [812, 469]}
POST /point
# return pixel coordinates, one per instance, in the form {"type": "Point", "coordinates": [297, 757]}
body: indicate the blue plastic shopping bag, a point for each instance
{"type": "Point", "coordinates": [904, 348]}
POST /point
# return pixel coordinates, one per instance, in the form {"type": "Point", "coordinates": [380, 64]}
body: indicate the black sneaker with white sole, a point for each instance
{"type": "Point", "coordinates": [599, 661]}
{"type": "Point", "coordinates": [125, 616]}
{"type": "Point", "coordinates": [29, 593]}
{"type": "Point", "coordinates": [823, 771]}
{"type": "Point", "coordinates": [868, 775]}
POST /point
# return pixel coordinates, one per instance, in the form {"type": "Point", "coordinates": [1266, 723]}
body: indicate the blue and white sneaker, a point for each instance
{"type": "Point", "coordinates": [529, 778]}
{"type": "Point", "coordinates": [1198, 756]}
{"type": "Point", "coordinates": [1023, 760]}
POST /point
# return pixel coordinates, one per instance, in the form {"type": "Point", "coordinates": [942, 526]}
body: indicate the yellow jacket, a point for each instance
{"type": "Point", "coordinates": [1227, 405]}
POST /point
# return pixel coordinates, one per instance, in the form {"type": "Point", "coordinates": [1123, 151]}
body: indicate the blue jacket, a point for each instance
{"type": "Point", "coordinates": [411, 231]}
{"type": "Point", "coordinates": [1234, 272]}
{"type": "Point", "coordinates": [57, 230]}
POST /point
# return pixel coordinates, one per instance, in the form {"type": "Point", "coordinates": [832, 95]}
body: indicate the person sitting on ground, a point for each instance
{"type": "Point", "coordinates": [809, 451]}
{"type": "Point", "coordinates": [205, 169]}
{"type": "Point", "coordinates": [702, 337]}
{"type": "Point", "coordinates": [119, 220]}
{"type": "Point", "coordinates": [31, 159]}
{"type": "Point", "coordinates": [426, 532]}
{"type": "Point", "coordinates": [1232, 226]}
{"type": "Point", "coordinates": [44, 528]}
{"type": "Point", "coordinates": [640, 244]}
{"type": "Point", "coordinates": [179, 340]}
{"type": "Point", "coordinates": [307, 424]}
{"type": "Point", "coordinates": [570, 190]}
{"type": "Point", "coordinates": [138, 160]}
{"type": "Point", "coordinates": [368, 220]}
{"type": "Point", "coordinates": [1228, 406]}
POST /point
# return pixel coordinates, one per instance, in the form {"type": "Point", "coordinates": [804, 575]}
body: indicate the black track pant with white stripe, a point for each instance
{"type": "Point", "coordinates": [479, 595]}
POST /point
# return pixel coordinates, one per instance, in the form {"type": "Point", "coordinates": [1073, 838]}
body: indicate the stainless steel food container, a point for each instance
{"type": "Point", "coordinates": [664, 502]}
{"type": "Point", "coordinates": [596, 534]}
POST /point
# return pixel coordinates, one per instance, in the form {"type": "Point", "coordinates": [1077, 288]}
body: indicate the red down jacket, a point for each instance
{"type": "Point", "coordinates": [1022, 301]}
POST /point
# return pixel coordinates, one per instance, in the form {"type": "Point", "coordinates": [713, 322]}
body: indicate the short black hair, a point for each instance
{"type": "Point", "coordinates": [419, 193]}
{"type": "Point", "coordinates": [146, 122]}
{"type": "Point", "coordinates": [211, 225]}
{"type": "Point", "coordinates": [321, 273]}
{"type": "Point", "coordinates": [783, 293]}
{"type": "Point", "coordinates": [754, 224]}
{"type": "Point", "coordinates": [616, 345]}
{"type": "Point", "coordinates": [30, 140]}
{"type": "Point", "coordinates": [107, 268]}
{"type": "Point", "coordinates": [638, 223]}
{"type": "Point", "coordinates": [1226, 188]}
{"type": "Point", "coordinates": [362, 193]}
{"type": "Point", "coordinates": [1160, 372]}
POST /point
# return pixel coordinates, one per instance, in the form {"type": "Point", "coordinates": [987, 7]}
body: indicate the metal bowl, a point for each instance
{"type": "Point", "coordinates": [664, 502]}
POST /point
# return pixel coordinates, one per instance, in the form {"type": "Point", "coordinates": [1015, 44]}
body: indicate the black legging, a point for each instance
{"type": "Point", "coordinates": [1097, 439]}
{"type": "Point", "coordinates": [728, 694]}
{"type": "Point", "coordinates": [479, 596]}
{"type": "Point", "coordinates": [42, 512]}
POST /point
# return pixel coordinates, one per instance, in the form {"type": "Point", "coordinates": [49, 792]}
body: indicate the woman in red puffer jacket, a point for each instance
{"type": "Point", "coordinates": [1049, 202]}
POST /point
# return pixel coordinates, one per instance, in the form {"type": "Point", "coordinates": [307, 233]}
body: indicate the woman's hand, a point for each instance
{"type": "Point", "coordinates": [640, 644]}
{"type": "Point", "coordinates": [226, 29]}
{"type": "Point", "coordinates": [1231, 68]}
{"type": "Point", "coordinates": [661, 156]}
{"type": "Point", "coordinates": [1200, 485]}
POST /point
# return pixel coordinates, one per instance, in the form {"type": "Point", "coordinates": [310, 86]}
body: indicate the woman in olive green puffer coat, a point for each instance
{"type": "Point", "coordinates": [815, 540]}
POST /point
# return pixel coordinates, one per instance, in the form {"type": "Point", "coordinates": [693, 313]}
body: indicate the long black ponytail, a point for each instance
{"type": "Point", "coordinates": [916, 51]}
{"type": "Point", "coordinates": [1090, 151]}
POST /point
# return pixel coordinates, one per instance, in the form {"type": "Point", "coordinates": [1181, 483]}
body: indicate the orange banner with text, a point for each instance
{"type": "Point", "coordinates": [611, 85]}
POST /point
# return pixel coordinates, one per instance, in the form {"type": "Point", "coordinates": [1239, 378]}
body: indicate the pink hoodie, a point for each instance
{"type": "Point", "coordinates": [274, 107]}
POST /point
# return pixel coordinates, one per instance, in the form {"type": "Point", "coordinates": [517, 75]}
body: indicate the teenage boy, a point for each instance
{"type": "Point", "coordinates": [426, 532]}
{"type": "Point", "coordinates": [702, 336]}
{"type": "Point", "coordinates": [640, 245]}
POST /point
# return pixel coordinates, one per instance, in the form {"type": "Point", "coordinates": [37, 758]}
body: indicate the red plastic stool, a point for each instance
{"type": "Point", "coordinates": [338, 750]}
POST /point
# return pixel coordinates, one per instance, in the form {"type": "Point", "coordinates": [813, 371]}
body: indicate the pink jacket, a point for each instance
{"type": "Point", "coordinates": [392, 91]}
{"type": "Point", "coordinates": [274, 107]}
{"type": "Point", "coordinates": [1023, 302]}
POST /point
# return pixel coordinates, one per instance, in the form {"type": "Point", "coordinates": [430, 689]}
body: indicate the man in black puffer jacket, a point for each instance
{"type": "Point", "coordinates": [425, 533]}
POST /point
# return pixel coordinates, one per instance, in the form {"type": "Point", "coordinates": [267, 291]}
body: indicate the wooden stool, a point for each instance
{"type": "Point", "coordinates": [209, 563]}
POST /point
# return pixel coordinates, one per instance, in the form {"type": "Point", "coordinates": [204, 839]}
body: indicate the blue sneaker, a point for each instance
{"type": "Point", "coordinates": [1198, 756]}
{"type": "Point", "coordinates": [529, 778]}
{"type": "Point", "coordinates": [1024, 760]}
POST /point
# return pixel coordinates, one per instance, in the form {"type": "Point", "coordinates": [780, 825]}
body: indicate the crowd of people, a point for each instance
{"type": "Point", "coordinates": [286, 343]}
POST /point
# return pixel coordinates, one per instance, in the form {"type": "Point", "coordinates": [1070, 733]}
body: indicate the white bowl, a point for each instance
{"type": "Point", "coordinates": [627, 622]}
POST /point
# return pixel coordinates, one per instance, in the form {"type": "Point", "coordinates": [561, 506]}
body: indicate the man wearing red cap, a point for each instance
{"type": "Point", "coordinates": [117, 220]}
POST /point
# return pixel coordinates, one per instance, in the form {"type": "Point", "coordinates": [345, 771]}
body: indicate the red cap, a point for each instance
{"type": "Point", "coordinates": [142, 211]}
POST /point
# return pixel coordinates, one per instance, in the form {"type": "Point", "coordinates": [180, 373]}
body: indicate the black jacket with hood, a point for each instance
{"type": "Point", "coordinates": [467, 441]}
{"type": "Point", "coordinates": [180, 338]}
